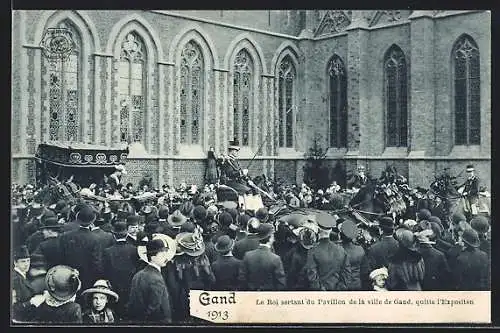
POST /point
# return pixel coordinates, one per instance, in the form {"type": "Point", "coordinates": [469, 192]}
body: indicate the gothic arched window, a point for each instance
{"type": "Point", "coordinates": [396, 104]}
{"type": "Point", "coordinates": [131, 88]}
{"type": "Point", "coordinates": [337, 102]}
{"type": "Point", "coordinates": [191, 98]}
{"type": "Point", "coordinates": [243, 96]}
{"type": "Point", "coordinates": [65, 92]}
{"type": "Point", "coordinates": [467, 92]}
{"type": "Point", "coordinates": [286, 98]}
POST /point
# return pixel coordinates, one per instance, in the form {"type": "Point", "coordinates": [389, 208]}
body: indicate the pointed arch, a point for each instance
{"type": "Point", "coordinates": [80, 19]}
{"type": "Point", "coordinates": [193, 87]}
{"type": "Point", "coordinates": [466, 91]}
{"type": "Point", "coordinates": [144, 29]}
{"type": "Point", "coordinates": [195, 32]}
{"type": "Point", "coordinates": [395, 69]}
{"type": "Point", "coordinates": [245, 40]}
{"type": "Point", "coordinates": [286, 48]}
{"type": "Point", "coordinates": [336, 73]}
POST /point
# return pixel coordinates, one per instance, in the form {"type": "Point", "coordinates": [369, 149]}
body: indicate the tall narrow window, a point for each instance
{"type": "Point", "coordinates": [243, 96]}
{"type": "Point", "coordinates": [131, 86]}
{"type": "Point", "coordinates": [191, 94]}
{"type": "Point", "coordinates": [467, 92]}
{"type": "Point", "coordinates": [338, 102]}
{"type": "Point", "coordinates": [64, 92]}
{"type": "Point", "coordinates": [396, 98]}
{"type": "Point", "coordinates": [286, 98]}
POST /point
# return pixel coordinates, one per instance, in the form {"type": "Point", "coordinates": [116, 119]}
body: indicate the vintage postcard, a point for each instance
{"type": "Point", "coordinates": [200, 167]}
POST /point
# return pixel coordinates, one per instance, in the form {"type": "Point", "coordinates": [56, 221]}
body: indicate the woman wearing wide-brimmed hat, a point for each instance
{"type": "Point", "coordinates": [62, 283]}
{"type": "Point", "coordinates": [193, 270]}
{"type": "Point", "coordinates": [406, 266]}
{"type": "Point", "coordinates": [99, 298]}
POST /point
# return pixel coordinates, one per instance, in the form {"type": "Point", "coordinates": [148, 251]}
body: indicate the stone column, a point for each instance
{"type": "Point", "coordinates": [357, 67]}
{"type": "Point", "coordinates": [421, 110]}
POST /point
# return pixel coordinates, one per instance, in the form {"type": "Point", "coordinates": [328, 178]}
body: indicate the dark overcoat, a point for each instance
{"type": "Point", "coordinates": [81, 249]}
{"type": "Point", "coordinates": [327, 267]}
{"type": "Point", "coordinates": [149, 300]}
{"type": "Point", "coordinates": [262, 270]}
{"type": "Point", "coordinates": [437, 272]}
{"type": "Point", "coordinates": [472, 271]}
{"type": "Point", "coordinates": [226, 269]}
{"type": "Point", "coordinates": [243, 246]}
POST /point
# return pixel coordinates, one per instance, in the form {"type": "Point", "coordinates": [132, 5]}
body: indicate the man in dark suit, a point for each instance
{"type": "Point", "coordinates": [133, 229]}
{"type": "Point", "coordinates": [81, 249]}
{"type": "Point", "coordinates": [120, 262]}
{"type": "Point", "coordinates": [471, 271]}
{"type": "Point", "coordinates": [50, 248]}
{"type": "Point", "coordinates": [482, 226]}
{"type": "Point", "coordinates": [226, 267]}
{"type": "Point", "coordinates": [437, 272]}
{"type": "Point", "coordinates": [149, 299]}
{"type": "Point", "coordinates": [25, 299]}
{"type": "Point", "coordinates": [106, 239]}
{"type": "Point", "coordinates": [247, 243]}
{"type": "Point", "coordinates": [378, 254]}
{"type": "Point", "coordinates": [262, 270]}
{"type": "Point", "coordinates": [327, 267]}
{"type": "Point", "coordinates": [355, 253]}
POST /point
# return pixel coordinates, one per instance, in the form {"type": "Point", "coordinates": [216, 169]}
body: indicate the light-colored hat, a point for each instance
{"type": "Point", "coordinates": [170, 244]}
{"type": "Point", "coordinates": [121, 168]}
{"type": "Point", "coordinates": [102, 287]}
{"type": "Point", "coordinates": [379, 271]}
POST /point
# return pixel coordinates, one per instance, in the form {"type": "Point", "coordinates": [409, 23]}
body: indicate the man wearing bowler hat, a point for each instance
{"type": "Point", "coordinates": [81, 248]}
{"type": "Point", "coordinates": [327, 266]}
{"type": "Point", "coordinates": [149, 299]}
{"type": "Point", "coordinates": [261, 269]}
{"type": "Point", "coordinates": [378, 254]}
{"type": "Point", "coordinates": [119, 263]}
{"type": "Point", "coordinates": [226, 267]}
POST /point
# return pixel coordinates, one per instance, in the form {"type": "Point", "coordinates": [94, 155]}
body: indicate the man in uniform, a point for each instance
{"type": "Point", "coordinates": [470, 192]}
{"type": "Point", "coordinates": [232, 173]}
{"type": "Point", "coordinates": [359, 179]}
{"type": "Point", "coordinates": [327, 266]}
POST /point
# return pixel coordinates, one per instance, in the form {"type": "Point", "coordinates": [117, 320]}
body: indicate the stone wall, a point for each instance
{"type": "Point", "coordinates": [426, 38]}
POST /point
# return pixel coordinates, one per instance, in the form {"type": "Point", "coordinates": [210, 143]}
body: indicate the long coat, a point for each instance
{"type": "Point", "coordinates": [149, 300]}
{"type": "Point", "coordinates": [328, 267]}
{"type": "Point", "coordinates": [356, 254]}
{"type": "Point", "coordinates": [24, 291]}
{"type": "Point", "coordinates": [120, 262]}
{"type": "Point", "coordinates": [262, 270]}
{"type": "Point", "coordinates": [472, 271]}
{"type": "Point", "coordinates": [226, 269]}
{"type": "Point", "coordinates": [34, 240]}
{"type": "Point", "coordinates": [294, 262]}
{"type": "Point", "coordinates": [50, 248]}
{"type": "Point", "coordinates": [437, 272]}
{"type": "Point", "coordinates": [81, 249]}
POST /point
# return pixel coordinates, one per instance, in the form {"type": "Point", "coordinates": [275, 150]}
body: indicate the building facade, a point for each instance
{"type": "Point", "coordinates": [408, 88]}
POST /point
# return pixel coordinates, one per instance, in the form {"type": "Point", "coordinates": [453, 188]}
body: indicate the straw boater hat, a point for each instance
{"type": "Point", "coordinates": [102, 287]}
{"type": "Point", "coordinates": [379, 271]}
{"type": "Point", "coordinates": [176, 219]}
{"type": "Point", "coordinates": [169, 243]}
{"type": "Point", "coordinates": [469, 168]}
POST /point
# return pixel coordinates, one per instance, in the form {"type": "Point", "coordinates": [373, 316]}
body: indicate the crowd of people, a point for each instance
{"type": "Point", "coordinates": [135, 261]}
